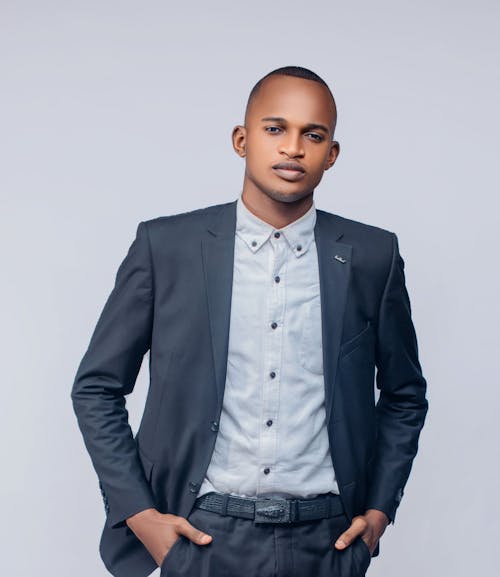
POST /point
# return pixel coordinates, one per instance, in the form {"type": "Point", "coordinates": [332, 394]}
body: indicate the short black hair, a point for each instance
{"type": "Point", "coordinates": [298, 72]}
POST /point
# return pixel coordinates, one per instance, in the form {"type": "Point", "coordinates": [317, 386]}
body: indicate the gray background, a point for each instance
{"type": "Point", "coordinates": [114, 112]}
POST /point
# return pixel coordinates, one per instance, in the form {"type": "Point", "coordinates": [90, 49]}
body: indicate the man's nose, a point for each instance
{"type": "Point", "coordinates": [291, 145]}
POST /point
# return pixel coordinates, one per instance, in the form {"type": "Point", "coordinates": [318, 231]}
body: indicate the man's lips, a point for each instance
{"type": "Point", "coordinates": [289, 166]}
{"type": "Point", "coordinates": [290, 171]}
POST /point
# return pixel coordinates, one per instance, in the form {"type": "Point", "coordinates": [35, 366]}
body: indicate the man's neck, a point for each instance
{"type": "Point", "coordinates": [277, 214]}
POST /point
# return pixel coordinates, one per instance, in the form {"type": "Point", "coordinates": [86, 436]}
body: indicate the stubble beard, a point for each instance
{"type": "Point", "coordinates": [288, 197]}
{"type": "Point", "coordinates": [278, 195]}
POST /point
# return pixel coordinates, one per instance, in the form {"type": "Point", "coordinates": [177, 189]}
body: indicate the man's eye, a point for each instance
{"type": "Point", "coordinates": [276, 127]}
{"type": "Point", "coordinates": [317, 137]}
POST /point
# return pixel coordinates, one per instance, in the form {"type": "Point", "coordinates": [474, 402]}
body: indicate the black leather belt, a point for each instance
{"type": "Point", "coordinates": [265, 510]}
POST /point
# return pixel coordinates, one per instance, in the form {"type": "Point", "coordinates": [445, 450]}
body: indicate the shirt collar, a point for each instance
{"type": "Point", "coordinates": [255, 232]}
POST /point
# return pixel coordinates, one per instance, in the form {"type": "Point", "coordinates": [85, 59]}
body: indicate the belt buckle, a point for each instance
{"type": "Point", "coordinates": [272, 511]}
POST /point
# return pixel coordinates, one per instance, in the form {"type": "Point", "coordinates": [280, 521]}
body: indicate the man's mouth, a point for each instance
{"type": "Point", "coordinates": [295, 166]}
{"type": "Point", "coordinates": [290, 171]}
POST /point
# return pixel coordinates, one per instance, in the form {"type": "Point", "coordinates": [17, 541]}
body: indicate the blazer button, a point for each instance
{"type": "Point", "coordinates": [194, 487]}
{"type": "Point", "coordinates": [214, 426]}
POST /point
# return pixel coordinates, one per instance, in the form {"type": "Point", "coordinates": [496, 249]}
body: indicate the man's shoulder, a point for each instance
{"type": "Point", "coordinates": [356, 229]}
{"type": "Point", "coordinates": [191, 222]}
{"type": "Point", "coordinates": [193, 215]}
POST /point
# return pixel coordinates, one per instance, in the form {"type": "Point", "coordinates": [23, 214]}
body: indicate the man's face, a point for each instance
{"type": "Point", "coordinates": [284, 125]}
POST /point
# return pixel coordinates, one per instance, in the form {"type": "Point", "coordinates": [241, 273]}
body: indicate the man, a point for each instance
{"type": "Point", "coordinates": [261, 451]}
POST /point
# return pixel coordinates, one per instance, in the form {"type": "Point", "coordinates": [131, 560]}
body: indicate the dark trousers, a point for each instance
{"type": "Point", "coordinates": [243, 548]}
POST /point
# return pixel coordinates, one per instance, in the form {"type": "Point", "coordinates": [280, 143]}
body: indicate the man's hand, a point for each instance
{"type": "Point", "coordinates": [159, 531]}
{"type": "Point", "coordinates": [369, 526]}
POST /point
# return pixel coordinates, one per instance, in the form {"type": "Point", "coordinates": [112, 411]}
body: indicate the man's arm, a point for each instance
{"type": "Point", "coordinates": [106, 373]}
{"type": "Point", "coordinates": [401, 409]}
{"type": "Point", "coordinates": [402, 406]}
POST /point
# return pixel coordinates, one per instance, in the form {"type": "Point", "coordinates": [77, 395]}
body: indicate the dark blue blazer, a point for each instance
{"type": "Point", "coordinates": [172, 296]}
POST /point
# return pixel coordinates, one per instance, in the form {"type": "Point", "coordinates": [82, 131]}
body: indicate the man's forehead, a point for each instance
{"type": "Point", "coordinates": [293, 99]}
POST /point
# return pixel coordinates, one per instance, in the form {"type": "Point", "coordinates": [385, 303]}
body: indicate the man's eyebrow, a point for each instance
{"type": "Point", "coordinates": [310, 126]}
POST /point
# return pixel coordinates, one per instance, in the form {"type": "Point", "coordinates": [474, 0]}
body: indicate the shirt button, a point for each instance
{"type": "Point", "coordinates": [299, 247]}
{"type": "Point", "coordinates": [277, 278]}
{"type": "Point", "coordinates": [272, 374]}
{"type": "Point", "coordinates": [214, 426]}
{"type": "Point", "coordinates": [276, 235]}
{"type": "Point", "coordinates": [254, 243]}
{"type": "Point", "coordinates": [274, 325]}
{"type": "Point", "coordinates": [269, 423]}
{"type": "Point", "coordinates": [266, 471]}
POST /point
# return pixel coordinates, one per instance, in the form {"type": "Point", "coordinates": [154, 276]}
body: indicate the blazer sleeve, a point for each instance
{"type": "Point", "coordinates": [106, 374]}
{"type": "Point", "coordinates": [402, 406]}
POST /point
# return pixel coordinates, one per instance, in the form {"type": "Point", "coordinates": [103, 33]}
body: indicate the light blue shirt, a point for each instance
{"type": "Point", "coordinates": [272, 439]}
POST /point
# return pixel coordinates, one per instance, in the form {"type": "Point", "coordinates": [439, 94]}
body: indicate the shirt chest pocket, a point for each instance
{"type": "Point", "coordinates": [311, 349]}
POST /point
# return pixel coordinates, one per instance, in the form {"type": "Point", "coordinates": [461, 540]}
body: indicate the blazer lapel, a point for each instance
{"type": "Point", "coordinates": [334, 260]}
{"type": "Point", "coordinates": [218, 261]}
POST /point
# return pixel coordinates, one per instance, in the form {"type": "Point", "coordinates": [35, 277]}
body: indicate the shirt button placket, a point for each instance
{"type": "Point", "coordinates": [274, 347]}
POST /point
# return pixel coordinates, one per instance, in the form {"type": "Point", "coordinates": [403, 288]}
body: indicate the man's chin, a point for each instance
{"type": "Point", "coordinates": [287, 197]}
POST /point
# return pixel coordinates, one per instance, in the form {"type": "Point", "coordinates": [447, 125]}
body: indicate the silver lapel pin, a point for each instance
{"type": "Point", "coordinates": [340, 259]}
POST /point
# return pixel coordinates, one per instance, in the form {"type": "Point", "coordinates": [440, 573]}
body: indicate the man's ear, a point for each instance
{"type": "Point", "coordinates": [239, 137]}
{"type": "Point", "coordinates": [332, 154]}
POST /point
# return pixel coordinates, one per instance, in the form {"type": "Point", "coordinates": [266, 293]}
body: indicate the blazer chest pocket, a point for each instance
{"type": "Point", "coordinates": [358, 340]}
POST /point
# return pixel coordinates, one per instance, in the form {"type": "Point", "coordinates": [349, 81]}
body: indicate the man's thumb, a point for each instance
{"type": "Point", "coordinates": [347, 537]}
{"type": "Point", "coordinates": [194, 534]}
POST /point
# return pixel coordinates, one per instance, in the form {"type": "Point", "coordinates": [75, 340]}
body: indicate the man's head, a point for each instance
{"type": "Point", "coordinates": [290, 120]}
